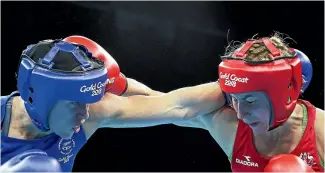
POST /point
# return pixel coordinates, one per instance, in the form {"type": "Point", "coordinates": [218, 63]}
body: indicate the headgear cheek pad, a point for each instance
{"type": "Point", "coordinates": [41, 86]}
{"type": "Point", "coordinates": [280, 78]}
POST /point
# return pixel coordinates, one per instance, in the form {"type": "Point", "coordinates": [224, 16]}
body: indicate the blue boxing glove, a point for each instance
{"type": "Point", "coordinates": [31, 161]}
{"type": "Point", "coordinates": [307, 70]}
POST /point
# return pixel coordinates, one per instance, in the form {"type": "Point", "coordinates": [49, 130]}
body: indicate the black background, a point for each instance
{"type": "Point", "coordinates": [165, 45]}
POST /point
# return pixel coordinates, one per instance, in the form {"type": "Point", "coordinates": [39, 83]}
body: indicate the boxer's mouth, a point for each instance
{"type": "Point", "coordinates": [76, 129]}
{"type": "Point", "coordinates": [253, 124]}
{"type": "Point", "coordinates": [79, 121]}
{"type": "Point", "coordinates": [82, 115]}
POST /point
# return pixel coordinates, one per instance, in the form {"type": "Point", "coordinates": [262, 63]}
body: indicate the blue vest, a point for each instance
{"type": "Point", "coordinates": [64, 150]}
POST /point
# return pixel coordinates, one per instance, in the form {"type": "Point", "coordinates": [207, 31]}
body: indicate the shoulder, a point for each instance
{"type": "Point", "coordinates": [319, 130]}
{"type": "Point", "coordinates": [222, 125]}
{"type": "Point", "coordinates": [319, 116]}
{"type": "Point", "coordinates": [5, 97]}
{"type": "Point", "coordinates": [101, 112]}
{"type": "Point", "coordinates": [106, 108]}
{"type": "Point", "coordinates": [319, 121]}
{"type": "Point", "coordinates": [318, 127]}
{"type": "Point", "coordinates": [224, 115]}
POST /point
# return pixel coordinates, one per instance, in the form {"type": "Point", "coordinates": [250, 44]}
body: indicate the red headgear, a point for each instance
{"type": "Point", "coordinates": [280, 78]}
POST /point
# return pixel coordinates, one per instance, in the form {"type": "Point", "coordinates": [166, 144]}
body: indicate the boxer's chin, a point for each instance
{"type": "Point", "coordinates": [259, 128]}
{"type": "Point", "coordinates": [65, 135]}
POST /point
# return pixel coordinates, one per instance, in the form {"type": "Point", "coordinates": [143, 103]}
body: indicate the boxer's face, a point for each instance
{"type": "Point", "coordinates": [254, 109]}
{"type": "Point", "coordinates": [66, 117]}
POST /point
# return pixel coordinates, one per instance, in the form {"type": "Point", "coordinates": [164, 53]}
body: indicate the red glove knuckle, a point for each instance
{"type": "Point", "coordinates": [117, 82]}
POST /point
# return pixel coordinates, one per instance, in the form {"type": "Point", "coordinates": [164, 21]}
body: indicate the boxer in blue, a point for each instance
{"type": "Point", "coordinates": [57, 80]}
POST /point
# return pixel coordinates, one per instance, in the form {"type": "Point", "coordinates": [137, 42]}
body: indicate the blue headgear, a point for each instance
{"type": "Point", "coordinates": [41, 86]}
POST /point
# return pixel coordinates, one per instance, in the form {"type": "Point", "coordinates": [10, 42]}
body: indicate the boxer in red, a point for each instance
{"type": "Point", "coordinates": [262, 81]}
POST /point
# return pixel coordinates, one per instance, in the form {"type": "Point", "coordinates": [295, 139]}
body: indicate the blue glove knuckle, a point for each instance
{"type": "Point", "coordinates": [31, 152]}
{"type": "Point", "coordinates": [32, 161]}
{"type": "Point", "coordinates": [307, 69]}
{"type": "Point", "coordinates": [41, 163]}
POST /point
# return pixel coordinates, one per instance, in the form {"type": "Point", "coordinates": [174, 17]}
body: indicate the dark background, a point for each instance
{"type": "Point", "coordinates": [165, 45]}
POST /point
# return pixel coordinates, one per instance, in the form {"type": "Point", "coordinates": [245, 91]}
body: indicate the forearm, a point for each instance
{"type": "Point", "coordinates": [138, 88]}
{"type": "Point", "coordinates": [141, 110]}
{"type": "Point", "coordinates": [175, 106]}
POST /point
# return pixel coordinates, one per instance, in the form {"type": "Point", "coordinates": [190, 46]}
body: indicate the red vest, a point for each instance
{"type": "Point", "coordinates": [245, 158]}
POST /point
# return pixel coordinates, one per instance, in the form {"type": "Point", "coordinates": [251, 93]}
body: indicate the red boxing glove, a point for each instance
{"type": "Point", "coordinates": [117, 83]}
{"type": "Point", "coordinates": [287, 163]}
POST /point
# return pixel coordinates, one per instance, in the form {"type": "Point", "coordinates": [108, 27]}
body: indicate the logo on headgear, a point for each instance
{"type": "Point", "coordinates": [95, 88]}
{"type": "Point", "coordinates": [232, 79]}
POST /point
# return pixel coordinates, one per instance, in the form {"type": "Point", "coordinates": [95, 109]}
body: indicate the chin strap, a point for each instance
{"type": "Point", "coordinates": [227, 97]}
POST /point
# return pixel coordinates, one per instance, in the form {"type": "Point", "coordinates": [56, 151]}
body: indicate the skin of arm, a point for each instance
{"type": "Point", "coordinates": [135, 87]}
{"type": "Point", "coordinates": [180, 107]}
{"type": "Point", "coordinates": [319, 131]}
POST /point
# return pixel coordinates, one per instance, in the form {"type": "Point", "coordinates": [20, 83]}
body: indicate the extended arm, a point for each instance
{"type": "Point", "coordinates": [175, 107]}
{"type": "Point", "coordinates": [137, 88]}
{"type": "Point", "coordinates": [319, 130]}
